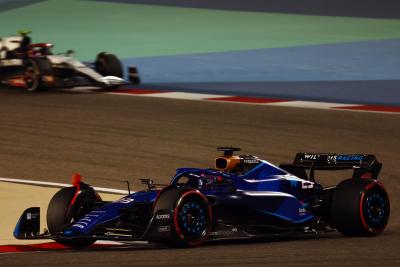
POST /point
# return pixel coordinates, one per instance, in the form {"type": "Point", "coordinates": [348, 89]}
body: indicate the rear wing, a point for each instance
{"type": "Point", "coordinates": [363, 165]}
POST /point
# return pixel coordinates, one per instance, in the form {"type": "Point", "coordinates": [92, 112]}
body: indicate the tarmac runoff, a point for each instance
{"type": "Point", "coordinates": [18, 195]}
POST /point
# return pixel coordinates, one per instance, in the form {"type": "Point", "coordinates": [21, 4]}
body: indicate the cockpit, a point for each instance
{"type": "Point", "coordinates": [237, 164]}
{"type": "Point", "coordinates": [40, 49]}
{"type": "Point", "coordinates": [226, 167]}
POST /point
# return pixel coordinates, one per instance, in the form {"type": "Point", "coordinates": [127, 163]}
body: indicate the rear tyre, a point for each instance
{"type": "Point", "coordinates": [360, 207]}
{"type": "Point", "coordinates": [109, 65]}
{"type": "Point", "coordinates": [36, 71]}
{"type": "Point", "coordinates": [61, 213]}
{"type": "Point", "coordinates": [134, 75]}
{"type": "Point", "coordinates": [192, 216]}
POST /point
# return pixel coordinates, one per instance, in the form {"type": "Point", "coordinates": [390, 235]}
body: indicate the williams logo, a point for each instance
{"type": "Point", "coordinates": [302, 211]}
{"type": "Point", "coordinates": [311, 156]}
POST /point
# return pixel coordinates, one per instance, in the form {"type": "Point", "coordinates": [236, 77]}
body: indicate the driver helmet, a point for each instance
{"type": "Point", "coordinates": [24, 32]}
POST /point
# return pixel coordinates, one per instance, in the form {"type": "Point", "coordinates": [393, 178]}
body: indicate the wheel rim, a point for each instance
{"type": "Point", "coordinates": [31, 76]}
{"type": "Point", "coordinates": [193, 220]}
{"type": "Point", "coordinates": [375, 210]}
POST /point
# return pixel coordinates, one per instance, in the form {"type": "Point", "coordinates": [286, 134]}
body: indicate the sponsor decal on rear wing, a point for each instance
{"type": "Point", "coordinates": [361, 163]}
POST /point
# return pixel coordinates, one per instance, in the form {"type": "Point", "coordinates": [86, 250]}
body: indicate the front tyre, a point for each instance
{"type": "Point", "coordinates": [35, 72]}
{"type": "Point", "coordinates": [192, 216]}
{"type": "Point", "coordinates": [360, 207]}
{"type": "Point", "coordinates": [67, 206]}
{"type": "Point", "coordinates": [192, 219]}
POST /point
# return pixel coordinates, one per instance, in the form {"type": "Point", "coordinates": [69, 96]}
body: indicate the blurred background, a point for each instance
{"type": "Point", "coordinates": [337, 51]}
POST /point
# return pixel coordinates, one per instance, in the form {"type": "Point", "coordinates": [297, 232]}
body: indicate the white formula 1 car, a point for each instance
{"type": "Point", "coordinates": [35, 67]}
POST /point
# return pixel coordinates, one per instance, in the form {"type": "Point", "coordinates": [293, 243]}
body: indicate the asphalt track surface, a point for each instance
{"type": "Point", "coordinates": [111, 138]}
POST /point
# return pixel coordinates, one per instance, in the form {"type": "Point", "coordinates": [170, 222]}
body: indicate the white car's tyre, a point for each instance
{"type": "Point", "coordinates": [35, 71]}
{"type": "Point", "coordinates": [109, 65]}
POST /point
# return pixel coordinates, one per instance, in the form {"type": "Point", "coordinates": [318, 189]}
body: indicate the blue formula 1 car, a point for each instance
{"type": "Point", "coordinates": [242, 197]}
